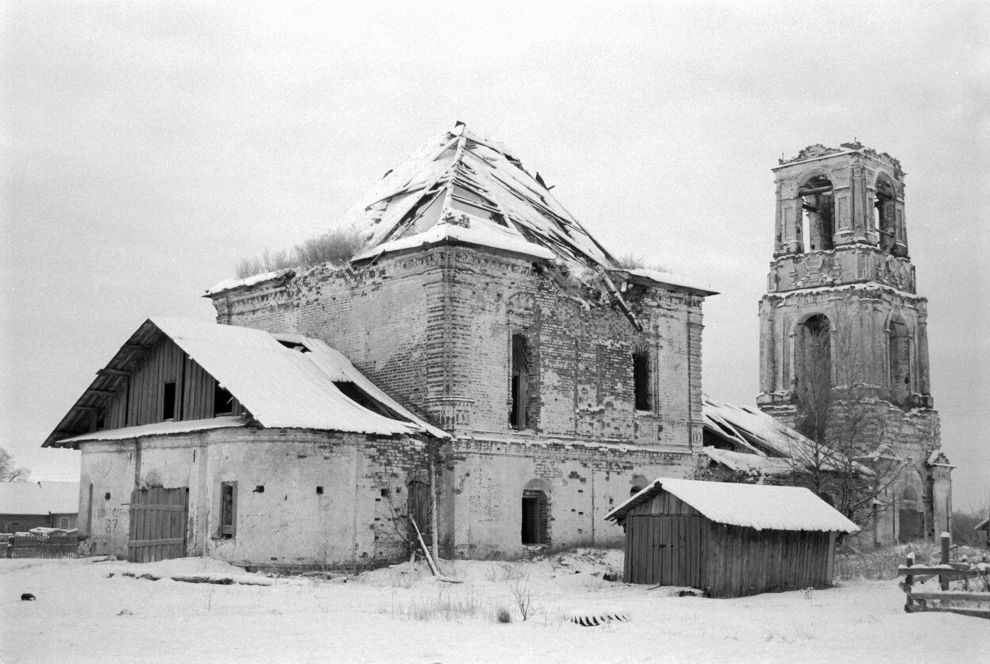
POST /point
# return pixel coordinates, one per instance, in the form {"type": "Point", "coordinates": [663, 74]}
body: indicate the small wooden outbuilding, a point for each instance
{"type": "Point", "coordinates": [729, 539]}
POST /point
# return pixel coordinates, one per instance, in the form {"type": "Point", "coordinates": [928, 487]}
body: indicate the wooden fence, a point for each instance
{"type": "Point", "coordinates": [30, 546]}
{"type": "Point", "coordinates": [971, 598]}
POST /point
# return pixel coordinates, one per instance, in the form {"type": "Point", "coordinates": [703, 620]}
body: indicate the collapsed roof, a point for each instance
{"type": "Point", "coordinates": [749, 440]}
{"type": "Point", "coordinates": [463, 188]}
{"type": "Point", "coordinates": [283, 381]}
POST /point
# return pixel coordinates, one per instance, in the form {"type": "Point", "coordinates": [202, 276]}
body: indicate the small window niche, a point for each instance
{"type": "Point", "coordinates": [228, 510]}
{"type": "Point", "coordinates": [168, 401]}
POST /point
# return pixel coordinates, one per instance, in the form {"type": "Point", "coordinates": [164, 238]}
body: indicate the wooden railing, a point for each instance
{"type": "Point", "coordinates": [971, 599]}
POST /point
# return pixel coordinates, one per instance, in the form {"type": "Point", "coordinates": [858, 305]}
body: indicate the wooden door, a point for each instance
{"type": "Point", "coordinates": [158, 524]}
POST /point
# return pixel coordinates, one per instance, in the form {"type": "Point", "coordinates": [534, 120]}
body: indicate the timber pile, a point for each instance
{"type": "Point", "coordinates": [969, 594]}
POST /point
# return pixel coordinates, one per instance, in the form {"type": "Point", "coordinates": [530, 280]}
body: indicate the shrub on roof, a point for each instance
{"type": "Point", "coordinates": [335, 247]}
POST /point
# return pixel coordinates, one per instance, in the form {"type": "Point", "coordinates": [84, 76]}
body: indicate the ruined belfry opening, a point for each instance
{"type": "Point", "coordinates": [884, 214]}
{"type": "Point", "coordinates": [899, 359]}
{"type": "Point", "coordinates": [817, 214]}
{"type": "Point", "coordinates": [519, 387]}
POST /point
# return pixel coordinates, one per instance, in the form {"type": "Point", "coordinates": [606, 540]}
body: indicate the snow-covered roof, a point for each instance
{"type": "Point", "coordinates": [37, 498]}
{"type": "Point", "coordinates": [231, 284]}
{"type": "Point", "coordinates": [758, 506]}
{"type": "Point", "coordinates": [671, 279]}
{"type": "Point", "coordinates": [748, 462]}
{"type": "Point", "coordinates": [160, 429]}
{"type": "Point", "coordinates": [280, 386]}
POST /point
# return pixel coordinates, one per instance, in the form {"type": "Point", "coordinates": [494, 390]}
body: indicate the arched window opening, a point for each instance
{"type": "Point", "coordinates": [909, 516]}
{"type": "Point", "coordinates": [535, 516]}
{"type": "Point", "coordinates": [642, 380]}
{"type": "Point", "coordinates": [519, 388]}
{"type": "Point", "coordinates": [899, 351]}
{"type": "Point", "coordinates": [813, 354]}
{"type": "Point", "coordinates": [813, 376]}
{"type": "Point", "coordinates": [884, 214]}
{"type": "Point", "coordinates": [817, 213]}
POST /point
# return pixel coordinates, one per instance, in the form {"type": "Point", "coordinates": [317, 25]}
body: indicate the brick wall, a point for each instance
{"type": "Point", "coordinates": [433, 328]}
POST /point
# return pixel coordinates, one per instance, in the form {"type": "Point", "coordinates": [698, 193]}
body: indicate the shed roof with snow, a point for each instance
{"type": "Point", "coordinates": [39, 498]}
{"type": "Point", "coordinates": [282, 381]}
{"type": "Point", "coordinates": [758, 506]}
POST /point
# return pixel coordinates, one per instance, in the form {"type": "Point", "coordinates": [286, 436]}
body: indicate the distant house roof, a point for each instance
{"type": "Point", "coordinates": [39, 498]}
{"type": "Point", "coordinates": [283, 381]}
{"type": "Point", "coordinates": [464, 188]}
{"type": "Point", "coordinates": [758, 506]}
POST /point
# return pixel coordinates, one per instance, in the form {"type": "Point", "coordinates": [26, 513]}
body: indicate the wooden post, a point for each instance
{"type": "Point", "coordinates": [908, 580]}
{"type": "Point", "coordinates": [433, 505]}
{"type": "Point", "coordinates": [943, 581]}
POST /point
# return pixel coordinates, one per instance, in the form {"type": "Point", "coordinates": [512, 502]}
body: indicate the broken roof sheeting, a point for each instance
{"type": "Point", "coordinates": [280, 387]}
{"type": "Point", "coordinates": [462, 178]}
{"type": "Point", "coordinates": [758, 506]}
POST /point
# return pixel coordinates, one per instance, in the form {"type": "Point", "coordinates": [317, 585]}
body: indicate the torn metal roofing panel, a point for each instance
{"type": "Point", "coordinates": [748, 462]}
{"type": "Point", "coordinates": [287, 383]}
{"type": "Point", "coordinates": [758, 506]}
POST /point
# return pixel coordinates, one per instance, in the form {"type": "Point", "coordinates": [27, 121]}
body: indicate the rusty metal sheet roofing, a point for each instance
{"type": "Point", "coordinates": [758, 506]}
{"type": "Point", "coordinates": [281, 387]}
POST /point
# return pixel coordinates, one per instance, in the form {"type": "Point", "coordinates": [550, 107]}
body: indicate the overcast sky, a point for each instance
{"type": "Point", "coordinates": [149, 146]}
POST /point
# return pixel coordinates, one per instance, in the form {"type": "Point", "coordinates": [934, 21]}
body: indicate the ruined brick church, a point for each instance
{"type": "Point", "coordinates": [482, 343]}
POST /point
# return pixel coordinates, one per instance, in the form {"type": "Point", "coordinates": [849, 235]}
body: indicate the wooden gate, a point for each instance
{"type": "Point", "coordinates": [158, 524]}
{"type": "Point", "coordinates": [667, 550]}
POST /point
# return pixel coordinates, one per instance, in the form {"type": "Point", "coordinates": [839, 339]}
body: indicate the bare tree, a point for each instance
{"type": "Point", "coordinates": [8, 471]}
{"type": "Point", "coordinates": [848, 461]}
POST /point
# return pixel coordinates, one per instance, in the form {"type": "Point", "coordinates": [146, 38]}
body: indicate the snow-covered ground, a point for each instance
{"type": "Point", "coordinates": [90, 610]}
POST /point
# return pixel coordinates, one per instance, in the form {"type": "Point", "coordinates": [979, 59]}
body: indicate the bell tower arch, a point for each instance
{"type": "Point", "coordinates": [841, 318]}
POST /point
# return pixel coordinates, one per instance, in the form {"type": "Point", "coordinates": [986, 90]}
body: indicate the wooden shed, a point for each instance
{"type": "Point", "coordinates": [729, 539]}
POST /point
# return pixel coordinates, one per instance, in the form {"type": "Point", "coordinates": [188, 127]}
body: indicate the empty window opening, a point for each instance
{"type": "Point", "coordinates": [168, 403]}
{"type": "Point", "coordinates": [817, 214]}
{"type": "Point", "coordinates": [228, 509]}
{"type": "Point", "coordinates": [899, 356]}
{"type": "Point", "coordinates": [223, 401]}
{"type": "Point", "coordinates": [535, 518]}
{"type": "Point", "coordinates": [260, 488]}
{"type": "Point", "coordinates": [643, 380]}
{"type": "Point", "coordinates": [319, 490]}
{"type": "Point", "coordinates": [519, 388]}
{"type": "Point", "coordinates": [884, 214]}
{"type": "Point", "coordinates": [353, 392]}
{"type": "Point", "coordinates": [813, 376]}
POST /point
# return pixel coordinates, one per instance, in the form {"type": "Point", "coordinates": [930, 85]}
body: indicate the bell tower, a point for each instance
{"type": "Point", "coordinates": [842, 317]}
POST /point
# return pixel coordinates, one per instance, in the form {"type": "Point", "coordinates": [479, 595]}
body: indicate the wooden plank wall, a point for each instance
{"type": "Point", "coordinates": [745, 561]}
{"type": "Point", "coordinates": [157, 524]}
{"type": "Point", "coordinates": [140, 397]}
